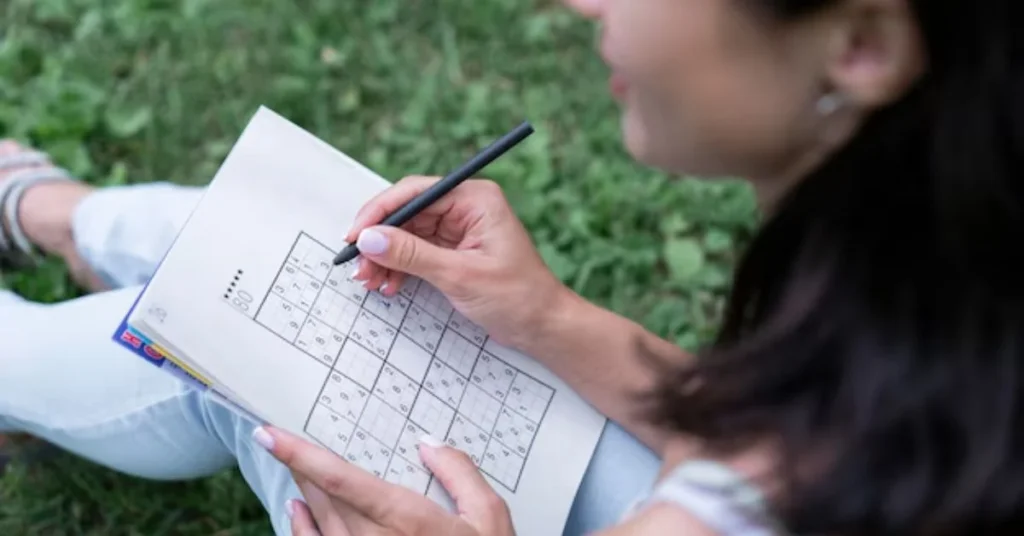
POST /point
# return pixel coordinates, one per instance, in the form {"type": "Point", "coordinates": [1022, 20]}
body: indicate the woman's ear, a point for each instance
{"type": "Point", "coordinates": [876, 52]}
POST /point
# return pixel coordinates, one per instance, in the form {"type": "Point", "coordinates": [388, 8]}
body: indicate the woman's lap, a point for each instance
{"type": "Point", "coordinates": [77, 389]}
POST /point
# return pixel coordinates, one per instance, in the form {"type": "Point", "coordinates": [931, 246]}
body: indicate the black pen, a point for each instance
{"type": "Point", "coordinates": [445, 185]}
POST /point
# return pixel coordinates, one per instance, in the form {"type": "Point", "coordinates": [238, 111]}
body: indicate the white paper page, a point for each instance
{"type": "Point", "coordinates": [248, 292]}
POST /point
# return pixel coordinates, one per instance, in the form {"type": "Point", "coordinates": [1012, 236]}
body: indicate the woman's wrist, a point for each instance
{"type": "Point", "coordinates": [553, 323]}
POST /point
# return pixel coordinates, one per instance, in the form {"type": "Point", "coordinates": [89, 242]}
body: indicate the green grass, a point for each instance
{"type": "Point", "coordinates": [124, 91]}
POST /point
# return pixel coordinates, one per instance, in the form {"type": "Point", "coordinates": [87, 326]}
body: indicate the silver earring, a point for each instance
{"type": "Point", "coordinates": [829, 103]}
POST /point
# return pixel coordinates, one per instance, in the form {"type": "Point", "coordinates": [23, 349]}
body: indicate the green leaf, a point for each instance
{"type": "Point", "coordinates": [560, 264]}
{"type": "Point", "coordinates": [717, 241]}
{"type": "Point", "coordinates": [685, 258]}
{"type": "Point", "coordinates": [127, 122]}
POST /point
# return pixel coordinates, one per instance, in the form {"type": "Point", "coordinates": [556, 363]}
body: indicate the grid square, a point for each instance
{"type": "Point", "coordinates": [503, 465]}
{"type": "Point", "coordinates": [409, 358]}
{"type": "Point", "coordinates": [445, 383]}
{"type": "Point", "coordinates": [396, 389]}
{"type": "Point", "coordinates": [320, 341]}
{"type": "Point", "coordinates": [392, 310]}
{"type": "Point", "coordinates": [529, 397]}
{"type": "Point", "coordinates": [312, 257]}
{"type": "Point", "coordinates": [382, 422]}
{"type": "Point", "coordinates": [368, 453]}
{"type": "Point", "coordinates": [296, 286]}
{"type": "Point", "coordinates": [458, 353]}
{"type": "Point", "coordinates": [467, 329]}
{"type": "Point", "coordinates": [432, 415]}
{"type": "Point", "coordinates": [340, 279]}
{"type": "Point", "coordinates": [373, 334]}
{"type": "Point", "coordinates": [409, 287]}
{"type": "Point", "coordinates": [407, 443]}
{"type": "Point", "coordinates": [514, 431]}
{"type": "Point", "coordinates": [344, 397]}
{"type": "Point", "coordinates": [493, 375]}
{"type": "Point", "coordinates": [281, 317]}
{"type": "Point", "coordinates": [468, 438]}
{"type": "Point", "coordinates": [480, 408]}
{"type": "Point", "coordinates": [330, 429]}
{"type": "Point", "coordinates": [335, 310]}
{"type": "Point", "coordinates": [359, 364]}
{"type": "Point", "coordinates": [423, 329]}
{"type": "Point", "coordinates": [408, 474]}
{"type": "Point", "coordinates": [433, 302]}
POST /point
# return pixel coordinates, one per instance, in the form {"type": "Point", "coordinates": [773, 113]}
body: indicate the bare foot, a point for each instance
{"type": "Point", "coordinates": [45, 213]}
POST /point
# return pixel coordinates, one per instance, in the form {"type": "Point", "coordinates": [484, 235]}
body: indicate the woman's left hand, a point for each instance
{"type": "Point", "coordinates": [344, 500]}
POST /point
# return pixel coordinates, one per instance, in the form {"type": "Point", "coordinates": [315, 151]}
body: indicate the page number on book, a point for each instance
{"type": "Point", "coordinates": [237, 297]}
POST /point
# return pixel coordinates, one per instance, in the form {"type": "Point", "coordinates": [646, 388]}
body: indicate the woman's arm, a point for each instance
{"type": "Point", "coordinates": [598, 353]}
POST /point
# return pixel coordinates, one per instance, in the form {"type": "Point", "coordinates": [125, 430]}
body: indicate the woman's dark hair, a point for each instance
{"type": "Point", "coordinates": [875, 330]}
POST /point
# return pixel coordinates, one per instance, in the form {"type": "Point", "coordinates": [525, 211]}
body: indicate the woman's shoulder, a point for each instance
{"type": "Point", "coordinates": [704, 497]}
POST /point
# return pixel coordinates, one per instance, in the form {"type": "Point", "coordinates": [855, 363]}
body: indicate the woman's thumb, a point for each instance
{"type": "Point", "coordinates": [396, 249]}
{"type": "Point", "coordinates": [475, 499]}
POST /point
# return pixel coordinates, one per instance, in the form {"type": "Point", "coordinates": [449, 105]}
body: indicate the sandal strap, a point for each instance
{"type": "Point", "coordinates": [23, 159]}
{"type": "Point", "coordinates": [13, 240]}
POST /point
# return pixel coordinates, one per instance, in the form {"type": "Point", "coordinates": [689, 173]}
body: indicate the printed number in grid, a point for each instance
{"type": "Point", "coordinates": [368, 453]}
{"type": "Point", "coordinates": [409, 287]}
{"type": "Point", "coordinates": [503, 465]}
{"type": "Point", "coordinates": [281, 317]}
{"type": "Point", "coordinates": [320, 341]}
{"type": "Point", "coordinates": [422, 328]}
{"type": "Point", "coordinates": [373, 334]}
{"type": "Point", "coordinates": [445, 383]}
{"type": "Point", "coordinates": [330, 429]}
{"type": "Point", "coordinates": [468, 438]}
{"type": "Point", "coordinates": [340, 280]}
{"type": "Point", "coordinates": [529, 397]}
{"type": "Point", "coordinates": [296, 286]}
{"type": "Point", "coordinates": [467, 329]}
{"type": "Point", "coordinates": [408, 441]}
{"type": "Point", "coordinates": [493, 375]}
{"type": "Point", "coordinates": [408, 474]}
{"type": "Point", "coordinates": [514, 431]}
{"type": "Point", "coordinates": [396, 389]}
{"type": "Point", "coordinates": [344, 396]}
{"type": "Point", "coordinates": [312, 257]}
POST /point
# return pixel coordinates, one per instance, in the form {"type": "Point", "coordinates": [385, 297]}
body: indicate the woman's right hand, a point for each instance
{"type": "Point", "coordinates": [469, 245]}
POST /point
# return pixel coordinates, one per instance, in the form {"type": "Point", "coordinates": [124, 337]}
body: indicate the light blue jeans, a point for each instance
{"type": "Point", "coordinates": [62, 378]}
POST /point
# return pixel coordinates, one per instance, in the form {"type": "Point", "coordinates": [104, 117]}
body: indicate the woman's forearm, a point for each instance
{"type": "Point", "coordinates": [600, 355]}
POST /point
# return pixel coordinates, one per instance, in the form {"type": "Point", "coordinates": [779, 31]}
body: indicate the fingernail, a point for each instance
{"type": "Point", "coordinates": [372, 242]}
{"type": "Point", "coordinates": [263, 437]}
{"type": "Point", "coordinates": [354, 273]}
{"type": "Point", "coordinates": [431, 441]}
{"type": "Point", "coordinates": [383, 288]}
{"type": "Point", "coordinates": [289, 506]}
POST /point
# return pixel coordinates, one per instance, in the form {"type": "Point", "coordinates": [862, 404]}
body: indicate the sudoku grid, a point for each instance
{"type": "Point", "coordinates": [398, 368]}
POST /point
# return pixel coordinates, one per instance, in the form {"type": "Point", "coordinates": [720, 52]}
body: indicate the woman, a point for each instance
{"type": "Point", "coordinates": [865, 380]}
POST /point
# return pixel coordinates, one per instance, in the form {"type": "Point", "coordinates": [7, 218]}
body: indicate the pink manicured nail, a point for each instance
{"type": "Point", "coordinates": [263, 438]}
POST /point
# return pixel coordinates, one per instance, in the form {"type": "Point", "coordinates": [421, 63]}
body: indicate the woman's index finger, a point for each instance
{"type": "Point", "coordinates": [392, 199]}
{"type": "Point", "coordinates": [347, 482]}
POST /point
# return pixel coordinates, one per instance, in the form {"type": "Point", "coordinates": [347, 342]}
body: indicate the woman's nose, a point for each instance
{"type": "Point", "coordinates": [588, 8]}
